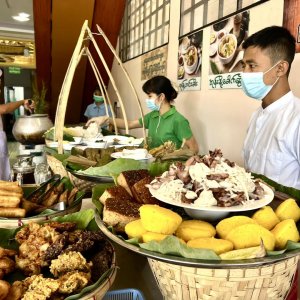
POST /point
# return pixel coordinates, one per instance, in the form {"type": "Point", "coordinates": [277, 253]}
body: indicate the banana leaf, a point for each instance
{"type": "Point", "coordinates": [49, 135]}
{"type": "Point", "coordinates": [172, 245]}
{"type": "Point", "coordinates": [84, 219]}
{"type": "Point", "coordinates": [97, 191]}
{"type": "Point", "coordinates": [294, 193]}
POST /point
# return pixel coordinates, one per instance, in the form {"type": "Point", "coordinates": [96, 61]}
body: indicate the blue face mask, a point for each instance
{"type": "Point", "coordinates": [152, 105]}
{"type": "Point", "coordinates": [98, 98]}
{"type": "Point", "coordinates": [253, 84]}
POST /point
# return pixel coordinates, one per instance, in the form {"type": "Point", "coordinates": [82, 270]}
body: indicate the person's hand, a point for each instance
{"type": "Point", "coordinates": [29, 105]}
{"type": "Point", "coordinates": [98, 120]}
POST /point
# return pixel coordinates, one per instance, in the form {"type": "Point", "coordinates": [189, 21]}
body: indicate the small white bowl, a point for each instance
{"type": "Point", "coordinates": [206, 215]}
{"type": "Point", "coordinates": [77, 139]}
{"type": "Point", "coordinates": [227, 48]}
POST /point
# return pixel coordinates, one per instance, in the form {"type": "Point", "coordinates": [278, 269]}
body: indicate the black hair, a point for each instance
{"type": "Point", "coordinates": [159, 85]}
{"type": "Point", "coordinates": [277, 41]}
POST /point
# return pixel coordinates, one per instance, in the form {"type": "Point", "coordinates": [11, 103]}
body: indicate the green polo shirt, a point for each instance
{"type": "Point", "coordinates": [171, 126]}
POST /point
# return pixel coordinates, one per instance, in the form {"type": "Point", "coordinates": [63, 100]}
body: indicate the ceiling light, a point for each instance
{"type": "Point", "coordinates": [21, 17]}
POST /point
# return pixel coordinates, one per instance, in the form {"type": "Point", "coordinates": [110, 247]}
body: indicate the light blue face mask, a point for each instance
{"type": "Point", "coordinates": [152, 105]}
{"type": "Point", "coordinates": [98, 98]}
{"type": "Point", "coordinates": [253, 84]}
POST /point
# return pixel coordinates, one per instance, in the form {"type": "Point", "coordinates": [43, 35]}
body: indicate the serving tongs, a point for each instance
{"type": "Point", "coordinates": [41, 193]}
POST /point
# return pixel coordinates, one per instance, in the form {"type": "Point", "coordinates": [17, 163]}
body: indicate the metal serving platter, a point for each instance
{"type": "Point", "coordinates": [92, 178]}
{"type": "Point", "coordinates": [188, 262]}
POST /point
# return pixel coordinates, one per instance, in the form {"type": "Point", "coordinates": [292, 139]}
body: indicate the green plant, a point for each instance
{"type": "Point", "coordinates": [39, 98]}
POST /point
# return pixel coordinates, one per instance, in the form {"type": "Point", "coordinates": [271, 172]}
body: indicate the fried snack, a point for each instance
{"type": "Point", "coordinates": [158, 219]}
{"type": "Point", "coordinates": [266, 217]}
{"type": "Point", "coordinates": [68, 262]}
{"type": "Point", "coordinates": [160, 151]}
{"type": "Point", "coordinates": [4, 192]}
{"type": "Point", "coordinates": [63, 197]}
{"type": "Point", "coordinates": [30, 206]}
{"type": "Point", "coordinates": [226, 225]}
{"type": "Point", "coordinates": [60, 188]}
{"type": "Point", "coordinates": [153, 236]}
{"type": "Point", "coordinates": [4, 289]}
{"type": "Point", "coordinates": [288, 209]}
{"type": "Point", "coordinates": [7, 252]}
{"type": "Point", "coordinates": [284, 231]}
{"type": "Point", "coordinates": [72, 196]}
{"type": "Point", "coordinates": [51, 199]}
{"type": "Point", "coordinates": [9, 201]}
{"type": "Point", "coordinates": [12, 212]}
{"type": "Point", "coordinates": [217, 245]}
{"type": "Point", "coordinates": [43, 287]}
{"type": "Point", "coordinates": [193, 229]}
{"type": "Point", "coordinates": [7, 265]}
{"type": "Point", "coordinates": [73, 281]}
{"type": "Point", "coordinates": [135, 229]}
{"type": "Point", "coordinates": [250, 235]}
{"type": "Point", "coordinates": [16, 291]}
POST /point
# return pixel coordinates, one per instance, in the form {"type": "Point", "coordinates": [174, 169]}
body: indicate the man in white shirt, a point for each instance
{"type": "Point", "coordinates": [272, 144]}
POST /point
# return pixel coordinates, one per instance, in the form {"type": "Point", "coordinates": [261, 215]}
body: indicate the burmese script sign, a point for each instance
{"type": "Point", "coordinates": [225, 81]}
{"type": "Point", "coordinates": [154, 63]}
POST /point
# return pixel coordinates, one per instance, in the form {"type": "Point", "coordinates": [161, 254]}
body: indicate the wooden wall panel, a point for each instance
{"type": "Point", "coordinates": [108, 15]}
{"type": "Point", "coordinates": [291, 19]}
{"type": "Point", "coordinates": [67, 19]}
{"type": "Point", "coordinates": [42, 34]}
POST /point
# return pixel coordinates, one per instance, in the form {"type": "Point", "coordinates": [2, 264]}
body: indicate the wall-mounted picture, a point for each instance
{"type": "Point", "coordinates": [225, 51]}
{"type": "Point", "coordinates": [189, 61]}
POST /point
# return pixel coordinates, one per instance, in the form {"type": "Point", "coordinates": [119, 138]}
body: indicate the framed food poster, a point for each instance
{"type": "Point", "coordinates": [189, 62]}
{"type": "Point", "coordinates": [226, 53]}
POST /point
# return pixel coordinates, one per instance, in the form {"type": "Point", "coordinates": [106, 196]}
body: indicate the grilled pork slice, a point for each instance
{"type": "Point", "coordinates": [127, 179]}
{"type": "Point", "coordinates": [119, 212]}
{"type": "Point", "coordinates": [141, 192]}
{"type": "Point", "coordinates": [115, 192]}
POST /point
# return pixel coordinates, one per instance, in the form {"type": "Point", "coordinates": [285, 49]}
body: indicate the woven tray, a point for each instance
{"type": "Point", "coordinates": [264, 282]}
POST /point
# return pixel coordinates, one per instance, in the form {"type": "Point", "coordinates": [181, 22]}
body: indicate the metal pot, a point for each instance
{"type": "Point", "coordinates": [30, 129]}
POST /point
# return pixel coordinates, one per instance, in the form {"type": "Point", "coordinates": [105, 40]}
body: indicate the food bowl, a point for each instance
{"type": "Point", "coordinates": [227, 48]}
{"type": "Point", "coordinates": [191, 60]}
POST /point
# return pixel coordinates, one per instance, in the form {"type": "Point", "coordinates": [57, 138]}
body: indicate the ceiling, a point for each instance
{"type": "Point", "coordinates": [10, 28]}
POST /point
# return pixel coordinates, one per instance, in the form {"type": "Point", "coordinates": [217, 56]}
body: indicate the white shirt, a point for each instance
{"type": "Point", "coordinates": [272, 144]}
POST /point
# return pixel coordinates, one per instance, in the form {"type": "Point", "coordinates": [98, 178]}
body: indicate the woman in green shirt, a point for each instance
{"type": "Point", "coordinates": [164, 122]}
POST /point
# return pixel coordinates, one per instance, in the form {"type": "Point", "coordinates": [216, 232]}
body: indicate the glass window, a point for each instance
{"type": "Point", "coordinates": [196, 14]}
{"type": "Point", "coordinates": [145, 27]}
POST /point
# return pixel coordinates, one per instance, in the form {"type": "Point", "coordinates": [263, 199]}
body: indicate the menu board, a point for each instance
{"type": "Point", "coordinates": [226, 53]}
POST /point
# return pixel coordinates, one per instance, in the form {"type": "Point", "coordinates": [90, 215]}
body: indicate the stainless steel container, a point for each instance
{"type": "Point", "coordinates": [30, 129]}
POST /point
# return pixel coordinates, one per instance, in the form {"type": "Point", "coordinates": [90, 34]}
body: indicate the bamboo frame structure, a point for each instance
{"type": "Point", "coordinates": [79, 51]}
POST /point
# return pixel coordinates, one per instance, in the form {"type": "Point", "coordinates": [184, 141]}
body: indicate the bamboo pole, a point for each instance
{"type": "Point", "coordinates": [90, 34]}
{"type": "Point", "coordinates": [101, 84]}
{"type": "Point", "coordinates": [101, 32]}
{"type": "Point", "coordinates": [65, 90]}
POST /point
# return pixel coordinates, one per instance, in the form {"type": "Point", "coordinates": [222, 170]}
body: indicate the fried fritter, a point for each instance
{"type": "Point", "coordinates": [7, 252]}
{"type": "Point", "coordinates": [4, 289]}
{"type": "Point", "coordinates": [73, 282]}
{"type": "Point", "coordinates": [40, 288]}
{"type": "Point", "coordinates": [7, 265]}
{"type": "Point", "coordinates": [17, 290]}
{"type": "Point", "coordinates": [68, 262]}
{"type": "Point", "coordinates": [35, 239]}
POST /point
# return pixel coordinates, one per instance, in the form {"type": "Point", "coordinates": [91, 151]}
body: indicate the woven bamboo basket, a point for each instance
{"type": "Point", "coordinates": [271, 281]}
